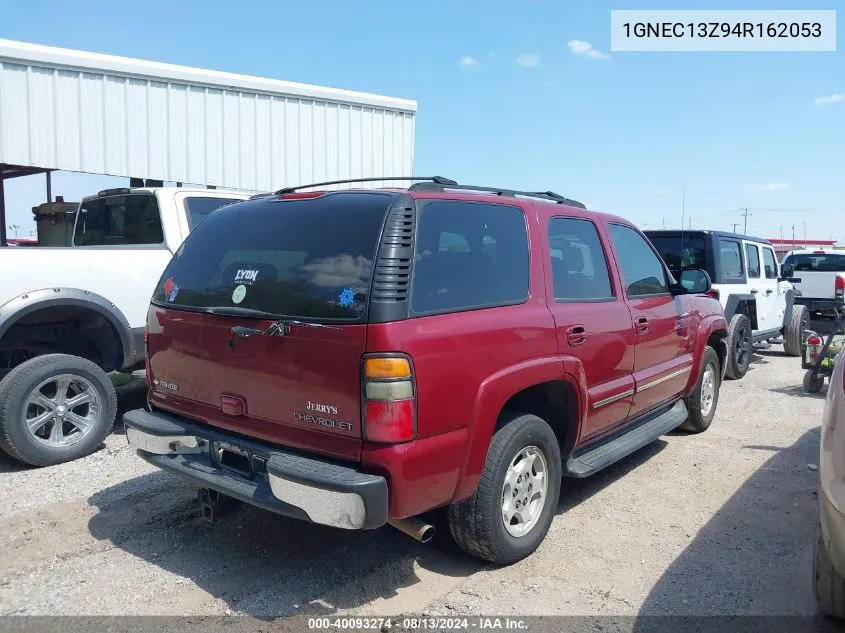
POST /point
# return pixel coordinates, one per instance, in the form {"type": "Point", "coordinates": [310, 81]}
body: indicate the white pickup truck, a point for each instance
{"type": "Point", "coordinates": [822, 273]}
{"type": "Point", "coordinates": [69, 315]}
{"type": "Point", "coordinates": [818, 274]}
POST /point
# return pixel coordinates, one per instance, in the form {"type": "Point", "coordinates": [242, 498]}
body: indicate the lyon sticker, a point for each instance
{"type": "Point", "coordinates": [238, 294]}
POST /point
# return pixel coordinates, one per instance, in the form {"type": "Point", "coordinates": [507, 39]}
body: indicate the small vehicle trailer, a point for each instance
{"type": "Point", "coordinates": [818, 354]}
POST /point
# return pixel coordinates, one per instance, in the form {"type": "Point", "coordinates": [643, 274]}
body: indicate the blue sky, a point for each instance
{"type": "Point", "coordinates": [624, 132]}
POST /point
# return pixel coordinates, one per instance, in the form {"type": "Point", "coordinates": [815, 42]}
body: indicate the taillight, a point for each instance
{"type": "Point", "coordinates": [840, 287]}
{"type": "Point", "coordinates": [713, 293]}
{"type": "Point", "coordinates": [389, 399]}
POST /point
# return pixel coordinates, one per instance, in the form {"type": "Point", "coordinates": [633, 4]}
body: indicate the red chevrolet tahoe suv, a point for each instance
{"type": "Point", "coordinates": [359, 357]}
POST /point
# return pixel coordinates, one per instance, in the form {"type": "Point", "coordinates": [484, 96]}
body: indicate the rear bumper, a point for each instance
{"type": "Point", "coordinates": [286, 483]}
{"type": "Point", "coordinates": [833, 532]}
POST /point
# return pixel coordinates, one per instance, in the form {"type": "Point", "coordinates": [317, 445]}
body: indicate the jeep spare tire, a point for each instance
{"type": "Point", "coordinates": [793, 333]}
{"type": "Point", "coordinates": [739, 347]}
{"type": "Point", "coordinates": [55, 408]}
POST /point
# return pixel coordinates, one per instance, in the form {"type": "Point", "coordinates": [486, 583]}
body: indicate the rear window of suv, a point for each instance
{"type": "Point", "coordinates": [681, 253]}
{"type": "Point", "coordinates": [309, 258]}
{"type": "Point", "coordinates": [817, 262]}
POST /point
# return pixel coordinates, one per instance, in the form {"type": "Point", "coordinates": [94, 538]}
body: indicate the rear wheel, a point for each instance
{"type": "Point", "coordinates": [739, 347]}
{"type": "Point", "coordinates": [510, 512]}
{"type": "Point", "coordinates": [55, 408]}
{"type": "Point", "coordinates": [701, 403]}
{"type": "Point", "coordinates": [793, 333]}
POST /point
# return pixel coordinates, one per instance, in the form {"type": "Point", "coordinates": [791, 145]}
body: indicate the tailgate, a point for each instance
{"type": "Point", "coordinates": [300, 390]}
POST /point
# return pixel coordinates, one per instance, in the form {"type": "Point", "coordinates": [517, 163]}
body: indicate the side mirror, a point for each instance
{"type": "Point", "coordinates": [695, 281]}
{"type": "Point", "coordinates": [787, 271]}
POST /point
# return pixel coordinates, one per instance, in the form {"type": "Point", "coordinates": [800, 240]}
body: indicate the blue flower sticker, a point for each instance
{"type": "Point", "coordinates": [346, 298]}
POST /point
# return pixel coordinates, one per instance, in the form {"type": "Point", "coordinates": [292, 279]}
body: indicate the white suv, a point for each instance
{"type": "Point", "coordinates": [758, 302]}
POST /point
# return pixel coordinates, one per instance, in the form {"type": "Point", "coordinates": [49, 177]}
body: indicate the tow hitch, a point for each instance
{"type": "Point", "coordinates": [215, 504]}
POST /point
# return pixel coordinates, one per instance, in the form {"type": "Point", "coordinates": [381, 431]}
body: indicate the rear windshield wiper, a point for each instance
{"type": "Point", "coordinates": [279, 327]}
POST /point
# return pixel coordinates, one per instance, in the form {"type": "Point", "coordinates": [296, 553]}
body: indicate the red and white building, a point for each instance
{"type": "Point", "coordinates": [783, 246]}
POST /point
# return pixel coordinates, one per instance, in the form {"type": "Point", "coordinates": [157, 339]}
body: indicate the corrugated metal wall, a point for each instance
{"type": "Point", "coordinates": [127, 126]}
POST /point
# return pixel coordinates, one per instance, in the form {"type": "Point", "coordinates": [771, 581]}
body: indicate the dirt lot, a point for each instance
{"type": "Point", "coordinates": [720, 523]}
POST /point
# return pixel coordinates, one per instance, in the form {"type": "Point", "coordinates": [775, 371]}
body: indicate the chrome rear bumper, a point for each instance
{"type": "Point", "coordinates": [307, 488]}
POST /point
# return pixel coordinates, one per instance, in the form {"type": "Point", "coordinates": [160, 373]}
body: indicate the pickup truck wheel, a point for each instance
{"type": "Point", "coordinates": [55, 408]}
{"type": "Point", "coordinates": [793, 333]}
{"type": "Point", "coordinates": [510, 512]}
{"type": "Point", "coordinates": [739, 347]}
{"type": "Point", "coordinates": [828, 584]}
{"type": "Point", "coordinates": [701, 403]}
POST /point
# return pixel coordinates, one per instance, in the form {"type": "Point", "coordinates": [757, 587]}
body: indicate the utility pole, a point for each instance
{"type": "Point", "coordinates": [745, 215]}
{"type": "Point", "coordinates": [690, 224]}
{"type": "Point", "coordinates": [781, 232]}
{"type": "Point", "coordinates": [793, 237]}
{"type": "Point", "coordinates": [805, 232]}
{"type": "Point", "coordinates": [735, 224]}
{"type": "Point", "coordinates": [664, 222]}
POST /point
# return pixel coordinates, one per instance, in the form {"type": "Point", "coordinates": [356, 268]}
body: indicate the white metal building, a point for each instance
{"type": "Point", "coordinates": [86, 112]}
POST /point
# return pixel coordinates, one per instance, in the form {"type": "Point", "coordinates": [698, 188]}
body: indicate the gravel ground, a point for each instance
{"type": "Point", "coordinates": [718, 523]}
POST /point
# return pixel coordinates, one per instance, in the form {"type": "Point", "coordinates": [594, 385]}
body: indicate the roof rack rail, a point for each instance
{"type": "Point", "coordinates": [440, 180]}
{"type": "Point", "coordinates": [511, 193]}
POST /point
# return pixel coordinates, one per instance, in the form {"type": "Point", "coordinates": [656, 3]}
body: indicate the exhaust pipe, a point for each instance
{"type": "Point", "coordinates": [414, 527]}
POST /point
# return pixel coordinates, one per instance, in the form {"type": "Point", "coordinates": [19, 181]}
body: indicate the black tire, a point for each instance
{"type": "Point", "coordinates": [15, 389]}
{"type": "Point", "coordinates": [793, 333]}
{"type": "Point", "coordinates": [477, 524]}
{"type": "Point", "coordinates": [813, 384]}
{"type": "Point", "coordinates": [697, 421]}
{"type": "Point", "coordinates": [739, 347]}
{"type": "Point", "coordinates": [829, 586]}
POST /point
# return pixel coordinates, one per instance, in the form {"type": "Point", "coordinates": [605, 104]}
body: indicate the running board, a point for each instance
{"type": "Point", "coordinates": [595, 458]}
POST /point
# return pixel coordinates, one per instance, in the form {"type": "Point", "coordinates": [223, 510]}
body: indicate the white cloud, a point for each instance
{"type": "Point", "coordinates": [829, 99]}
{"type": "Point", "coordinates": [769, 186]}
{"type": "Point", "coordinates": [585, 49]}
{"type": "Point", "coordinates": [468, 62]}
{"type": "Point", "coordinates": [528, 60]}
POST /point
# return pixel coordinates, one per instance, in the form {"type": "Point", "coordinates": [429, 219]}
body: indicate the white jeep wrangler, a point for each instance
{"type": "Point", "coordinates": [758, 302]}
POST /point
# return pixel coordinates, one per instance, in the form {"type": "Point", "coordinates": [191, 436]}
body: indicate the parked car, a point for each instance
{"type": "Point", "coordinates": [819, 274]}
{"type": "Point", "coordinates": [829, 567]}
{"type": "Point", "coordinates": [68, 315]}
{"type": "Point", "coordinates": [360, 357]}
{"type": "Point", "coordinates": [758, 300]}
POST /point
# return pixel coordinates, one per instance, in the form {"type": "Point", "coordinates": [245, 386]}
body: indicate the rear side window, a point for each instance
{"type": "Point", "coordinates": [578, 264]}
{"type": "Point", "coordinates": [198, 207]}
{"type": "Point", "coordinates": [469, 255]}
{"type": "Point", "coordinates": [642, 269]}
{"type": "Point", "coordinates": [752, 254]}
{"type": "Point", "coordinates": [310, 258]}
{"type": "Point", "coordinates": [680, 253]}
{"type": "Point", "coordinates": [770, 264]}
{"type": "Point", "coordinates": [119, 221]}
{"type": "Point", "coordinates": [730, 261]}
{"type": "Point", "coordinates": [817, 262]}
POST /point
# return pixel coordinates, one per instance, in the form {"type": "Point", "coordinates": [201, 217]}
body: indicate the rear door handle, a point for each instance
{"type": "Point", "coordinates": [769, 291]}
{"type": "Point", "coordinates": [642, 325]}
{"type": "Point", "coordinates": [576, 335]}
{"type": "Point", "coordinates": [754, 291]}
